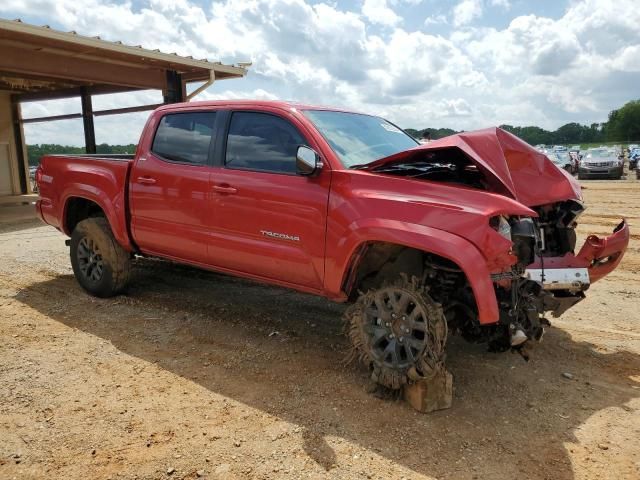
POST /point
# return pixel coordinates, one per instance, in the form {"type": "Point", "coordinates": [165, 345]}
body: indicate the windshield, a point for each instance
{"type": "Point", "coordinates": [601, 153]}
{"type": "Point", "coordinates": [359, 139]}
{"type": "Point", "coordinates": [553, 157]}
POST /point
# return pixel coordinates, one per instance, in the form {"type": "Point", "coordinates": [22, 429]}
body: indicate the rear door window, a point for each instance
{"type": "Point", "coordinates": [185, 137]}
{"type": "Point", "coordinates": [262, 142]}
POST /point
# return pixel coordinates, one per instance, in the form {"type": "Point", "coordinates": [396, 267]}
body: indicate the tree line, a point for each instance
{"type": "Point", "coordinates": [34, 152]}
{"type": "Point", "coordinates": [623, 125]}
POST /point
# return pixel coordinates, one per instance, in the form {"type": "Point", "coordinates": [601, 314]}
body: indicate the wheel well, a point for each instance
{"type": "Point", "coordinates": [79, 209]}
{"type": "Point", "coordinates": [375, 262]}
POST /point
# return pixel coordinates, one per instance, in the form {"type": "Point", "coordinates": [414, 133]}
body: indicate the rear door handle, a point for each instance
{"type": "Point", "coordinates": [224, 189]}
{"type": "Point", "coordinates": [147, 180]}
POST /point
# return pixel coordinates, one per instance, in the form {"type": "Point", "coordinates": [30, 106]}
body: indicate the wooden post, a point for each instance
{"type": "Point", "coordinates": [18, 135]}
{"type": "Point", "coordinates": [174, 91]}
{"type": "Point", "coordinates": [429, 395]}
{"type": "Point", "coordinates": [87, 121]}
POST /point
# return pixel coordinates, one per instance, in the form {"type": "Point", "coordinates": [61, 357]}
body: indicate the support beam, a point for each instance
{"type": "Point", "coordinates": [72, 92]}
{"type": "Point", "coordinates": [87, 122]}
{"type": "Point", "coordinates": [96, 113]}
{"type": "Point", "coordinates": [18, 134]}
{"type": "Point", "coordinates": [52, 118]}
{"type": "Point", "coordinates": [118, 111]}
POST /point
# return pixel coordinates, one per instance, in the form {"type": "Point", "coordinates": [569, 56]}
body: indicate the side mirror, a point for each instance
{"type": "Point", "coordinates": [308, 162]}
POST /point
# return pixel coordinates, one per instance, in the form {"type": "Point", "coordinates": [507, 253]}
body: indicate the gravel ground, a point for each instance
{"type": "Point", "coordinates": [195, 374]}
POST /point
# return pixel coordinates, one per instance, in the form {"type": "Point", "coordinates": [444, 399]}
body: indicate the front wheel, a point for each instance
{"type": "Point", "coordinates": [101, 266]}
{"type": "Point", "coordinates": [399, 332]}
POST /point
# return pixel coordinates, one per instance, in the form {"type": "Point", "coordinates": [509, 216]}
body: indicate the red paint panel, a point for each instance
{"type": "Point", "coordinates": [170, 208]}
{"type": "Point", "coordinates": [100, 180]}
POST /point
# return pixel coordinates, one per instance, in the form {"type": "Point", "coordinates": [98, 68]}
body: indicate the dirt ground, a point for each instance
{"type": "Point", "coordinates": [198, 374]}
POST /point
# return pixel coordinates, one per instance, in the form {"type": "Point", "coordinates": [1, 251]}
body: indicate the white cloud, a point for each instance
{"type": "Point", "coordinates": [506, 4]}
{"type": "Point", "coordinates": [536, 70]}
{"type": "Point", "coordinates": [435, 20]}
{"type": "Point", "coordinates": [628, 59]}
{"type": "Point", "coordinates": [378, 11]}
{"type": "Point", "coordinates": [466, 11]}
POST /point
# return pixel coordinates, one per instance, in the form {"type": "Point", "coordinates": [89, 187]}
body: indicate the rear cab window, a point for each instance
{"type": "Point", "coordinates": [185, 137]}
{"type": "Point", "coordinates": [262, 142]}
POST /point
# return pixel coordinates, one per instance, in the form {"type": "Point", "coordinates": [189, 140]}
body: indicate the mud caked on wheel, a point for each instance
{"type": "Point", "coordinates": [100, 264]}
{"type": "Point", "coordinates": [399, 332]}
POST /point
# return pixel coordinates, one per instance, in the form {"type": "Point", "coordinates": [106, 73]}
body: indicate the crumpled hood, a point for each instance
{"type": "Point", "coordinates": [512, 166]}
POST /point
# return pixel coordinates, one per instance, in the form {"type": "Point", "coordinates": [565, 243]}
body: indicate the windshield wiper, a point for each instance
{"type": "Point", "coordinates": [361, 166]}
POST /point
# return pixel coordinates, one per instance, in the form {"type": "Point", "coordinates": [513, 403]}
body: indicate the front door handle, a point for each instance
{"type": "Point", "coordinates": [225, 189]}
{"type": "Point", "coordinates": [147, 180]}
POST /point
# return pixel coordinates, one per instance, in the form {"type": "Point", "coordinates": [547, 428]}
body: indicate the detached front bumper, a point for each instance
{"type": "Point", "coordinates": [602, 255]}
{"type": "Point", "coordinates": [566, 278]}
{"type": "Point", "coordinates": [599, 256]}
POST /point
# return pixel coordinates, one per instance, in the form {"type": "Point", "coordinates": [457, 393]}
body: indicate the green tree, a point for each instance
{"type": "Point", "coordinates": [624, 123]}
{"type": "Point", "coordinates": [36, 151]}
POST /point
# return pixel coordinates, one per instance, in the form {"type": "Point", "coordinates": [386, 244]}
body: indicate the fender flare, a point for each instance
{"type": "Point", "coordinates": [113, 210]}
{"type": "Point", "coordinates": [427, 239]}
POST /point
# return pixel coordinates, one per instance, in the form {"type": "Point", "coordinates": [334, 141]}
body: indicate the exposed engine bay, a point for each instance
{"type": "Point", "coordinates": [450, 166]}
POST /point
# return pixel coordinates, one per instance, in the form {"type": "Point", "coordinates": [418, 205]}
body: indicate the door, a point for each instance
{"type": "Point", "coordinates": [169, 188]}
{"type": "Point", "coordinates": [268, 221]}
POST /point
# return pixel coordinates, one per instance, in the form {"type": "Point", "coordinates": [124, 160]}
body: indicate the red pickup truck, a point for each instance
{"type": "Point", "coordinates": [473, 233]}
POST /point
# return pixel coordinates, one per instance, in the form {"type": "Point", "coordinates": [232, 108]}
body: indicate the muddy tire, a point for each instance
{"type": "Point", "coordinates": [398, 332]}
{"type": "Point", "coordinates": [101, 266]}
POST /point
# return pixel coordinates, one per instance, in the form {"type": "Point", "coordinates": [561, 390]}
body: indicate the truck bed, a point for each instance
{"type": "Point", "coordinates": [101, 179]}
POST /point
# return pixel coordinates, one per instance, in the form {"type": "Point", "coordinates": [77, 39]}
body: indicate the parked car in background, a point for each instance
{"type": "Point", "coordinates": [575, 158]}
{"type": "Point", "coordinates": [634, 156]}
{"type": "Point", "coordinates": [32, 178]}
{"type": "Point", "coordinates": [563, 160]}
{"type": "Point", "coordinates": [600, 163]}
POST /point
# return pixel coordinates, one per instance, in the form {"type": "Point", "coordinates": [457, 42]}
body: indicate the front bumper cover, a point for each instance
{"type": "Point", "coordinates": [607, 172]}
{"type": "Point", "coordinates": [600, 256]}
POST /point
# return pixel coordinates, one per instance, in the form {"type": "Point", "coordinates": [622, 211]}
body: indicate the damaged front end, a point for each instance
{"type": "Point", "coordinates": [549, 277]}
{"type": "Point", "coordinates": [545, 274]}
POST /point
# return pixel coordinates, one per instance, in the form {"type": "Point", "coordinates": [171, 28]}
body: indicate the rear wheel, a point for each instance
{"type": "Point", "coordinates": [101, 266]}
{"type": "Point", "coordinates": [399, 332]}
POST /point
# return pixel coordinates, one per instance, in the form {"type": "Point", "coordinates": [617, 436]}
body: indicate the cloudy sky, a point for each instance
{"type": "Point", "coordinates": [462, 64]}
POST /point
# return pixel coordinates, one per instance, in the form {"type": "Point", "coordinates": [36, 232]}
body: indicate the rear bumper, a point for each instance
{"type": "Point", "coordinates": [600, 256]}
{"type": "Point", "coordinates": [39, 209]}
{"type": "Point", "coordinates": [46, 212]}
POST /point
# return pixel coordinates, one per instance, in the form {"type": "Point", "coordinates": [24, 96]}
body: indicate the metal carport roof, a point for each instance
{"type": "Point", "coordinates": [39, 63]}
